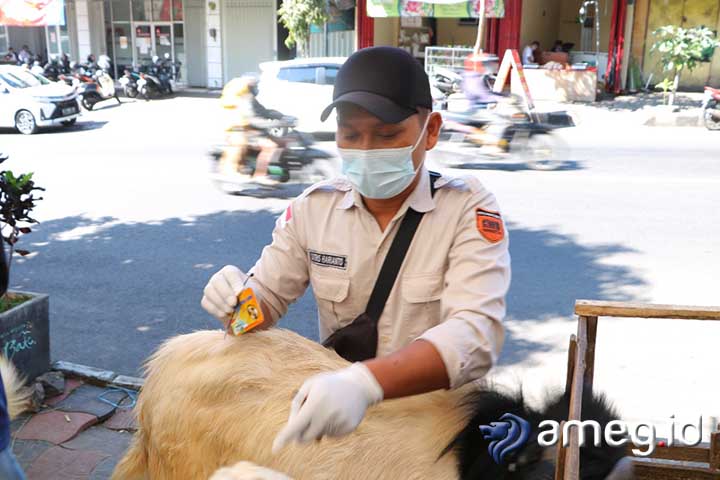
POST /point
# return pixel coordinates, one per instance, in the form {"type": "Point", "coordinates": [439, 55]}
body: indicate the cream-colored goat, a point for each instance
{"type": "Point", "coordinates": [214, 405]}
{"type": "Point", "coordinates": [210, 402]}
{"type": "Point", "coordinates": [18, 396]}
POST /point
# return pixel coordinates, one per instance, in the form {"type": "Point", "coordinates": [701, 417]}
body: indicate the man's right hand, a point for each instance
{"type": "Point", "coordinates": [220, 294]}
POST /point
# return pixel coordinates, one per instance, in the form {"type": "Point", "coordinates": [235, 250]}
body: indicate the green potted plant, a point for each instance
{"type": "Point", "coordinates": [24, 316]}
{"type": "Point", "coordinates": [682, 49]}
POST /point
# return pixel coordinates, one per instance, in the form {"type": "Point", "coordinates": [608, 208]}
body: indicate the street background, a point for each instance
{"type": "Point", "coordinates": [131, 230]}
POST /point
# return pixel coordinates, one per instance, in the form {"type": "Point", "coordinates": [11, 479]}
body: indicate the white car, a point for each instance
{"type": "Point", "coordinates": [301, 88]}
{"type": "Point", "coordinates": [29, 101]}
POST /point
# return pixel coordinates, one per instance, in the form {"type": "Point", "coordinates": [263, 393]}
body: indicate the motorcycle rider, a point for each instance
{"type": "Point", "coordinates": [477, 90]}
{"type": "Point", "coordinates": [65, 63]}
{"type": "Point", "coordinates": [162, 74]}
{"type": "Point", "coordinates": [105, 64]}
{"type": "Point", "coordinates": [250, 117]}
{"type": "Point", "coordinates": [91, 62]}
{"type": "Point", "coordinates": [52, 68]}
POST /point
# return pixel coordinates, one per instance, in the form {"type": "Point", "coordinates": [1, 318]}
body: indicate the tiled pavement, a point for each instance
{"type": "Point", "coordinates": [80, 434]}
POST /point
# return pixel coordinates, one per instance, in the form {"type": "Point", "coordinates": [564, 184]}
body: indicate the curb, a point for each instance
{"type": "Point", "coordinates": [682, 119]}
{"type": "Point", "coordinates": [97, 376]}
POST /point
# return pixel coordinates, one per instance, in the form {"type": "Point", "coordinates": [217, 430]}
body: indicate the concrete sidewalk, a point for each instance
{"type": "Point", "coordinates": [642, 109]}
{"type": "Point", "coordinates": [82, 427]}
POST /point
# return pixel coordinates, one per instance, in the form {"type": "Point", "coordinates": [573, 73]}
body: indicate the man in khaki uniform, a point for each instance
{"type": "Point", "coordinates": [441, 325]}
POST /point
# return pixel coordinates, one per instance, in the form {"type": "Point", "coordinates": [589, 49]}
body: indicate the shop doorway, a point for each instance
{"type": "Point", "coordinates": [139, 29]}
{"type": "Point", "coordinates": [152, 38]}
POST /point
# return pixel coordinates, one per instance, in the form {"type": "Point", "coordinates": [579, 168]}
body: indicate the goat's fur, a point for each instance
{"type": "Point", "coordinates": [247, 471]}
{"type": "Point", "coordinates": [18, 396]}
{"type": "Point", "coordinates": [209, 403]}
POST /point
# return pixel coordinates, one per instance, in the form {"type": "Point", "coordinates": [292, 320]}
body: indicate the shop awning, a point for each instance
{"type": "Point", "coordinates": [21, 13]}
{"type": "Point", "coordinates": [434, 8]}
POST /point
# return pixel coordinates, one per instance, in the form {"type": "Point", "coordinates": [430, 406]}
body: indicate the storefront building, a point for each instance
{"type": "Point", "coordinates": [509, 24]}
{"type": "Point", "coordinates": [624, 37]}
{"type": "Point", "coordinates": [214, 40]}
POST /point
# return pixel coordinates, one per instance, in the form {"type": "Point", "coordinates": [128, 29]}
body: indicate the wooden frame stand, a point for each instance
{"type": "Point", "coordinates": [705, 457]}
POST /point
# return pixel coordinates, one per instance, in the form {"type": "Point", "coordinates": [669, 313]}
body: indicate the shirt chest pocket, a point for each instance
{"type": "Point", "coordinates": [332, 297]}
{"type": "Point", "coordinates": [420, 308]}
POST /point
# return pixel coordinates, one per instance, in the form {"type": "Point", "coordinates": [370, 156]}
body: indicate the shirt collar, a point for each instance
{"type": "Point", "coordinates": [420, 199]}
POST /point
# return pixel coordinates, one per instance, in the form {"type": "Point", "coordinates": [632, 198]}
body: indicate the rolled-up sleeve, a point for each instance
{"type": "Point", "coordinates": [280, 276]}
{"type": "Point", "coordinates": [471, 337]}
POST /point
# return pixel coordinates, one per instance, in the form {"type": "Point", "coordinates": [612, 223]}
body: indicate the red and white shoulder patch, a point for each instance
{"type": "Point", "coordinates": [490, 225]}
{"type": "Point", "coordinates": [286, 216]}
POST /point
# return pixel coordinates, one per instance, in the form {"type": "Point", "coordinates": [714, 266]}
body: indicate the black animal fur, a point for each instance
{"type": "Point", "coordinates": [532, 462]}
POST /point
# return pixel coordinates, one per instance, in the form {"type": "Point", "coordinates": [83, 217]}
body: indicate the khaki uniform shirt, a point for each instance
{"type": "Point", "coordinates": [450, 289]}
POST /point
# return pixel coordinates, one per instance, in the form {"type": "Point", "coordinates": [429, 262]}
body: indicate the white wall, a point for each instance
{"type": "Point", "coordinates": [82, 23]}
{"type": "Point", "coordinates": [196, 48]}
{"type": "Point", "coordinates": [214, 46]}
{"type": "Point", "coordinates": [249, 32]}
{"type": "Point", "coordinates": [96, 16]}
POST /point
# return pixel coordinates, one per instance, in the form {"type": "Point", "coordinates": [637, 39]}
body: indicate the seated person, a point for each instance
{"type": "Point", "coordinates": [528, 53]}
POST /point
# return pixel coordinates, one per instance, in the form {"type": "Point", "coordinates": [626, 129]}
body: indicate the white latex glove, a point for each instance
{"type": "Point", "coordinates": [330, 403]}
{"type": "Point", "coordinates": [220, 294]}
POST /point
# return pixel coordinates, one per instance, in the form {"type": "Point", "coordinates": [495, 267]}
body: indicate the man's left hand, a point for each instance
{"type": "Point", "coordinates": [330, 403]}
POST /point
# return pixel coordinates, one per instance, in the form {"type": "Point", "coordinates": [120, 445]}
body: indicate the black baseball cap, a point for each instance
{"type": "Point", "coordinates": [386, 81]}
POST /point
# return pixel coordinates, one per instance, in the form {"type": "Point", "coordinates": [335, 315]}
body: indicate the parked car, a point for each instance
{"type": "Point", "coordinates": [301, 88]}
{"type": "Point", "coordinates": [29, 101]}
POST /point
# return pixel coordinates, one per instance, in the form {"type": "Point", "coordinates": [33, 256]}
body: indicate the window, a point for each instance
{"type": "Point", "coordinates": [141, 10]}
{"type": "Point", "coordinates": [122, 38]}
{"type": "Point", "coordinates": [3, 39]}
{"type": "Point", "coordinates": [330, 75]}
{"type": "Point", "coordinates": [23, 79]}
{"type": "Point", "coordinates": [162, 10]}
{"type": "Point", "coordinates": [179, 37]}
{"type": "Point", "coordinates": [178, 10]}
{"type": "Point", "coordinates": [297, 74]}
{"type": "Point", "coordinates": [64, 39]}
{"type": "Point", "coordinates": [121, 10]}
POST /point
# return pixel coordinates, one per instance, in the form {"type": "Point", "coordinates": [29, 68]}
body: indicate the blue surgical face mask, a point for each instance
{"type": "Point", "coordinates": [380, 173]}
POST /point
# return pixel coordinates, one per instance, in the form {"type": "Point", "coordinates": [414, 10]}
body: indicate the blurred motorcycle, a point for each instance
{"type": "Point", "coordinates": [104, 89]}
{"type": "Point", "coordinates": [129, 82]}
{"type": "Point", "coordinates": [93, 85]}
{"type": "Point", "coordinates": [500, 131]}
{"type": "Point", "coordinates": [299, 162]}
{"type": "Point", "coordinates": [711, 108]}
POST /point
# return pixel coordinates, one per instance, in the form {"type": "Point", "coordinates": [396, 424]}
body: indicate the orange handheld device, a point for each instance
{"type": "Point", "coordinates": [247, 314]}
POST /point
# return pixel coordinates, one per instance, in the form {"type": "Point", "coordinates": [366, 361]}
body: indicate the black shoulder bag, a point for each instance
{"type": "Point", "coordinates": [358, 340]}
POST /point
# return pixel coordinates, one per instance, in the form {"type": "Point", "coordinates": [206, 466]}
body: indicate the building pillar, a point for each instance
{"type": "Point", "coordinates": [365, 26]}
{"type": "Point", "coordinates": [214, 45]}
{"type": "Point", "coordinates": [82, 23]}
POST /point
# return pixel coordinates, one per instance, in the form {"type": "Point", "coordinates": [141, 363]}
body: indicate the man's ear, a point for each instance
{"type": "Point", "coordinates": [433, 130]}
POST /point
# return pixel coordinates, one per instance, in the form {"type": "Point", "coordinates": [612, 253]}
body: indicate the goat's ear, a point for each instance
{"type": "Point", "coordinates": [623, 470]}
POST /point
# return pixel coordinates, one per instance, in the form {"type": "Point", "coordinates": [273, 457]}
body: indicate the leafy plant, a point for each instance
{"type": "Point", "coordinates": [17, 201]}
{"type": "Point", "coordinates": [682, 49]}
{"type": "Point", "coordinates": [666, 85]}
{"type": "Point", "coordinates": [298, 15]}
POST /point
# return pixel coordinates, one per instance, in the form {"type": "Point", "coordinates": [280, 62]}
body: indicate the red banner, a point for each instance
{"type": "Point", "coordinates": [32, 13]}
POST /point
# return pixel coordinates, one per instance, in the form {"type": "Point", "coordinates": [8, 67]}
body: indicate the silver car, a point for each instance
{"type": "Point", "coordinates": [29, 101]}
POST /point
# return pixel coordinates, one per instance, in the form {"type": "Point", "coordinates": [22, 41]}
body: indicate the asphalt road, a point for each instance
{"type": "Point", "coordinates": [131, 230]}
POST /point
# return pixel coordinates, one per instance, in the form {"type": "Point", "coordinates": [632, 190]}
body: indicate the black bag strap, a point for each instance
{"type": "Point", "coordinates": [395, 257]}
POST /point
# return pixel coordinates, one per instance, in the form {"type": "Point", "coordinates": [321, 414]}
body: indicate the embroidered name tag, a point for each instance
{"type": "Point", "coordinates": [328, 260]}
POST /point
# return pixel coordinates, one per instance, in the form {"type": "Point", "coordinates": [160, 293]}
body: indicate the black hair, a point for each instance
{"type": "Point", "coordinates": [423, 113]}
{"type": "Point", "coordinates": [531, 462]}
